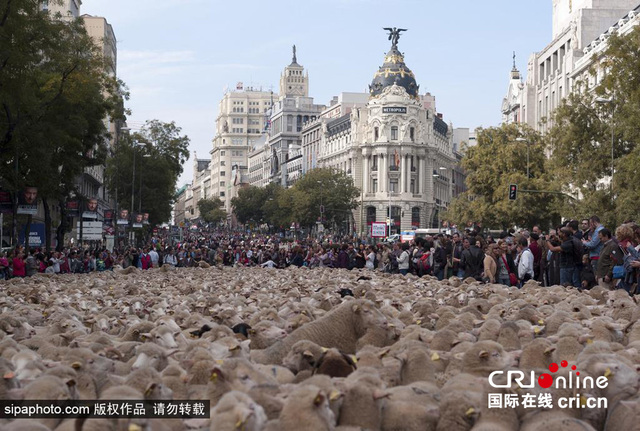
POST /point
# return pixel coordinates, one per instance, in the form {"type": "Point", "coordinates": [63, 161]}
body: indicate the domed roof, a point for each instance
{"type": "Point", "coordinates": [394, 71]}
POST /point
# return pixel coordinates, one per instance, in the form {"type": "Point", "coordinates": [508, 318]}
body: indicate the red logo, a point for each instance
{"type": "Point", "coordinates": [546, 380]}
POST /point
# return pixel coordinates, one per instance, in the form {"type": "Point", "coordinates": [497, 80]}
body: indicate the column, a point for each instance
{"type": "Point", "coordinates": [366, 174]}
{"type": "Point", "coordinates": [382, 172]}
{"type": "Point", "coordinates": [403, 173]}
{"type": "Point", "coordinates": [420, 184]}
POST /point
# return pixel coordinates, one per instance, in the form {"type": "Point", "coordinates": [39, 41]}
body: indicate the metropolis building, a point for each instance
{"type": "Point", "coordinates": [396, 147]}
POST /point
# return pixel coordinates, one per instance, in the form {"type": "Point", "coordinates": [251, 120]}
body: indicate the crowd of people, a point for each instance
{"type": "Point", "coordinates": [580, 254]}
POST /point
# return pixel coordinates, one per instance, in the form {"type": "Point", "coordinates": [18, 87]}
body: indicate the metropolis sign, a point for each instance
{"type": "Point", "coordinates": [394, 110]}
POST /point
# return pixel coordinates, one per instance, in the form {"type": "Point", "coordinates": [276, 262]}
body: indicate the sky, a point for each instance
{"type": "Point", "coordinates": [177, 56]}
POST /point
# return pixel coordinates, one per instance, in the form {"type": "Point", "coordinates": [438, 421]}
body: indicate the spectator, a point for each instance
{"type": "Point", "coordinates": [610, 256]}
{"type": "Point", "coordinates": [594, 245]}
{"type": "Point", "coordinates": [524, 261]}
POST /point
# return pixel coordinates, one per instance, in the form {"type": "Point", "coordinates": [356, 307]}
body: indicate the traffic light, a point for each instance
{"type": "Point", "coordinates": [513, 192]}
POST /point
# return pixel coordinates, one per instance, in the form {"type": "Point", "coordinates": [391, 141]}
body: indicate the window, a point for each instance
{"type": "Point", "coordinates": [223, 163]}
{"type": "Point", "coordinates": [415, 216]}
{"type": "Point", "coordinates": [221, 183]}
{"type": "Point", "coordinates": [222, 153]}
{"type": "Point", "coordinates": [222, 173]}
{"type": "Point", "coordinates": [412, 186]}
{"type": "Point", "coordinates": [412, 134]}
{"type": "Point", "coordinates": [375, 134]}
{"type": "Point", "coordinates": [221, 194]}
{"type": "Point", "coordinates": [371, 215]}
{"type": "Point", "coordinates": [374, 186]}
{"type": "Point", "coordinates": [393, 186]}
{"type": "Point", "coordinates": [394, 133]}
{"type": "Point", "coordinates": [375, 163]}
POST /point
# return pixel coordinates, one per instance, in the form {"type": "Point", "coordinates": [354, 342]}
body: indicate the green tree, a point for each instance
{"type": "Point", "coordinates": [160, 152]}
{"type": "Point", "coordinates": [211, 210]}
{"type": "Point", "coordinates": [498, 160]}
{"type": "Point", "coordinates": [332, 189]}
{"type": "Point", "coordinates": [55, 93]}
{"type": "Point", "coordinates": [248, 205]}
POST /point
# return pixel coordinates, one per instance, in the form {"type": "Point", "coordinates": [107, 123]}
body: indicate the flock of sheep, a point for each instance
{"type": "Point", "coordinates": [320, 349]}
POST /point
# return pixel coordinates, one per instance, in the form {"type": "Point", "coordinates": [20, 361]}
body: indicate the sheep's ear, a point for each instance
{"type": "Point", "coordinates": [76, 365]}
{"type": "Point", "coordinates": [173, 352]}
{"type": "Point", "coordinates": [71, 383]}
{"type": "Point", "coordinates": [216, 374]}
{"type": "Point", "coordinates": [144, 336]}
{"type": "Point", "coordinates": [307, 354]}
{"type": "Point", "coordinates": [355, 308]}
{"type": "Point", "coordinates": [378, 394]}
{"type": "Point", "coordinates": [383, 352]}
{"type": "Point", "coordinates": [549, 350]}
{"type": "Point", "coordinates": [483, 354]}
{"type": "Point", "coordinates": [319, 399]}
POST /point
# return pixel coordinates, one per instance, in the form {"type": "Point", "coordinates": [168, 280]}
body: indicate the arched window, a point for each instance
{"type": "Point", "coordinates": [412, 134]}
{"type": "Point", "coordinates": [375, 134]}
{"type": "Point", "coordinates": [394, 133]}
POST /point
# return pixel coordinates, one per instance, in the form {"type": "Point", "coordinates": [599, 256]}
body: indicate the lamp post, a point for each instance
{"type": "Point", "coordinates": [525, 140]}
{"type": "Point", "coordinates": [613, 111]}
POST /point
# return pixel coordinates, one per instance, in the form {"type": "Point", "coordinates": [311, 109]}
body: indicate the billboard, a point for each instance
{"type": "Point", "coordinates": [73, 208]}
{"type": "Point", "coordinates": [28, 201]}
{"type": "Point", "coordinates": [136, 221]}
{"type": "Point", "coordinates": [36, 235]}
{"type": "Point", "coordinates": [90, 209]}
{"type": "Point", "coordinates": [123, 217]}
{"type": "Point", "coordinates": [378, 230]}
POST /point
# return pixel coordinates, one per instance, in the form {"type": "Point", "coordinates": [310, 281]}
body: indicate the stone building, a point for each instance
{"type": "Point", "coordinates": [578, 26]}
{"type": "Point", "coordinates": [242, 119]}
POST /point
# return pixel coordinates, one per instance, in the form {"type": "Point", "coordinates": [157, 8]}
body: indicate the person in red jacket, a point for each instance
{"type": "Point", "coordinates": [19, 266]}
{"type": "Point", "coordinates": [145, 259]}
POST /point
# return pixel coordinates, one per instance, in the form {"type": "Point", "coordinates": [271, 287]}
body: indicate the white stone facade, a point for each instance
{"type": "Point", "coordinates": [242, 119]}
{"type": "Point", "coordinates": [551, 73]}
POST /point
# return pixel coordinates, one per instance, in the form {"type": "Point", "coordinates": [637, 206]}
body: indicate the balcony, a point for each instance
{"type": "Point", "coordinates": [374, 169]}
{"type": "Point", "coordinates": [393, 168]}
{"type": "Point", "coordinates": [413, 169]}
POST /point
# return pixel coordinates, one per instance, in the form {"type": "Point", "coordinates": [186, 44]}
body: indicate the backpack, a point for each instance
{"type": "Point", "coordinates": [424, 262]}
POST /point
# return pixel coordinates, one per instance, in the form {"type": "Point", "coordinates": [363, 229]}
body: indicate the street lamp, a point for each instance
{"type": "Point", "coordinates": [133, 179]}
{"type": "Point", "coordinates": [613, 111]}
{"type": "Point", "coordinates": [525, 140]}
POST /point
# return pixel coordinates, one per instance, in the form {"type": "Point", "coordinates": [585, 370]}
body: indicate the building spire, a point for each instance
{"type": "Point", "coordinates": [514, 62]}
{"type": "Point", "coordinates": [294, 55]}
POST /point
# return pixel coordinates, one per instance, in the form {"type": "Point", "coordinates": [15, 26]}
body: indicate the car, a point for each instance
{"type": "Point", "coordinates": [392, 239]}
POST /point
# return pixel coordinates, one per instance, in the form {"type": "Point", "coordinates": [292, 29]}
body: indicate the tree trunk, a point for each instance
{"type": "Point", "coordinates": [62, 227]}
{"type": "Point", "coordinates": [47, 224]}
{"type": "Point", "coordinates": [27, 231]}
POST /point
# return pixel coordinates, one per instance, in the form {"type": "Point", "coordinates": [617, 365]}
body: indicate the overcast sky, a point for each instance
{"type": "Point", "coordinates": [177, 56]}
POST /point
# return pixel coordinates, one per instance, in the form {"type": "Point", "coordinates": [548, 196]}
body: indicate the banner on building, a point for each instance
{"type": "Point", "coordinates": [123, 217]}
{"type": "Point", "coordinates": [6, 202]}
{"type": "Point", "coordinates": [28, 201]}
{"type": "Point", "coordinates": [90, 209]}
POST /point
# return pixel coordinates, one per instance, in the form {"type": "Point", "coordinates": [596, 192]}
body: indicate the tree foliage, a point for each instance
{"type": "Point", "coordinates": [301, 203]}
{"type": "Point", "coordinates": [211, 211]}
{"type": "Point", "coordinates": [497, 161]}
{"type": "Point", "coordinates": [160, 152]}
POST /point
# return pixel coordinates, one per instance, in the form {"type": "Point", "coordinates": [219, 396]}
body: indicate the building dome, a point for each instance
{"type": "Point", "coordinates": [394, 71]}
